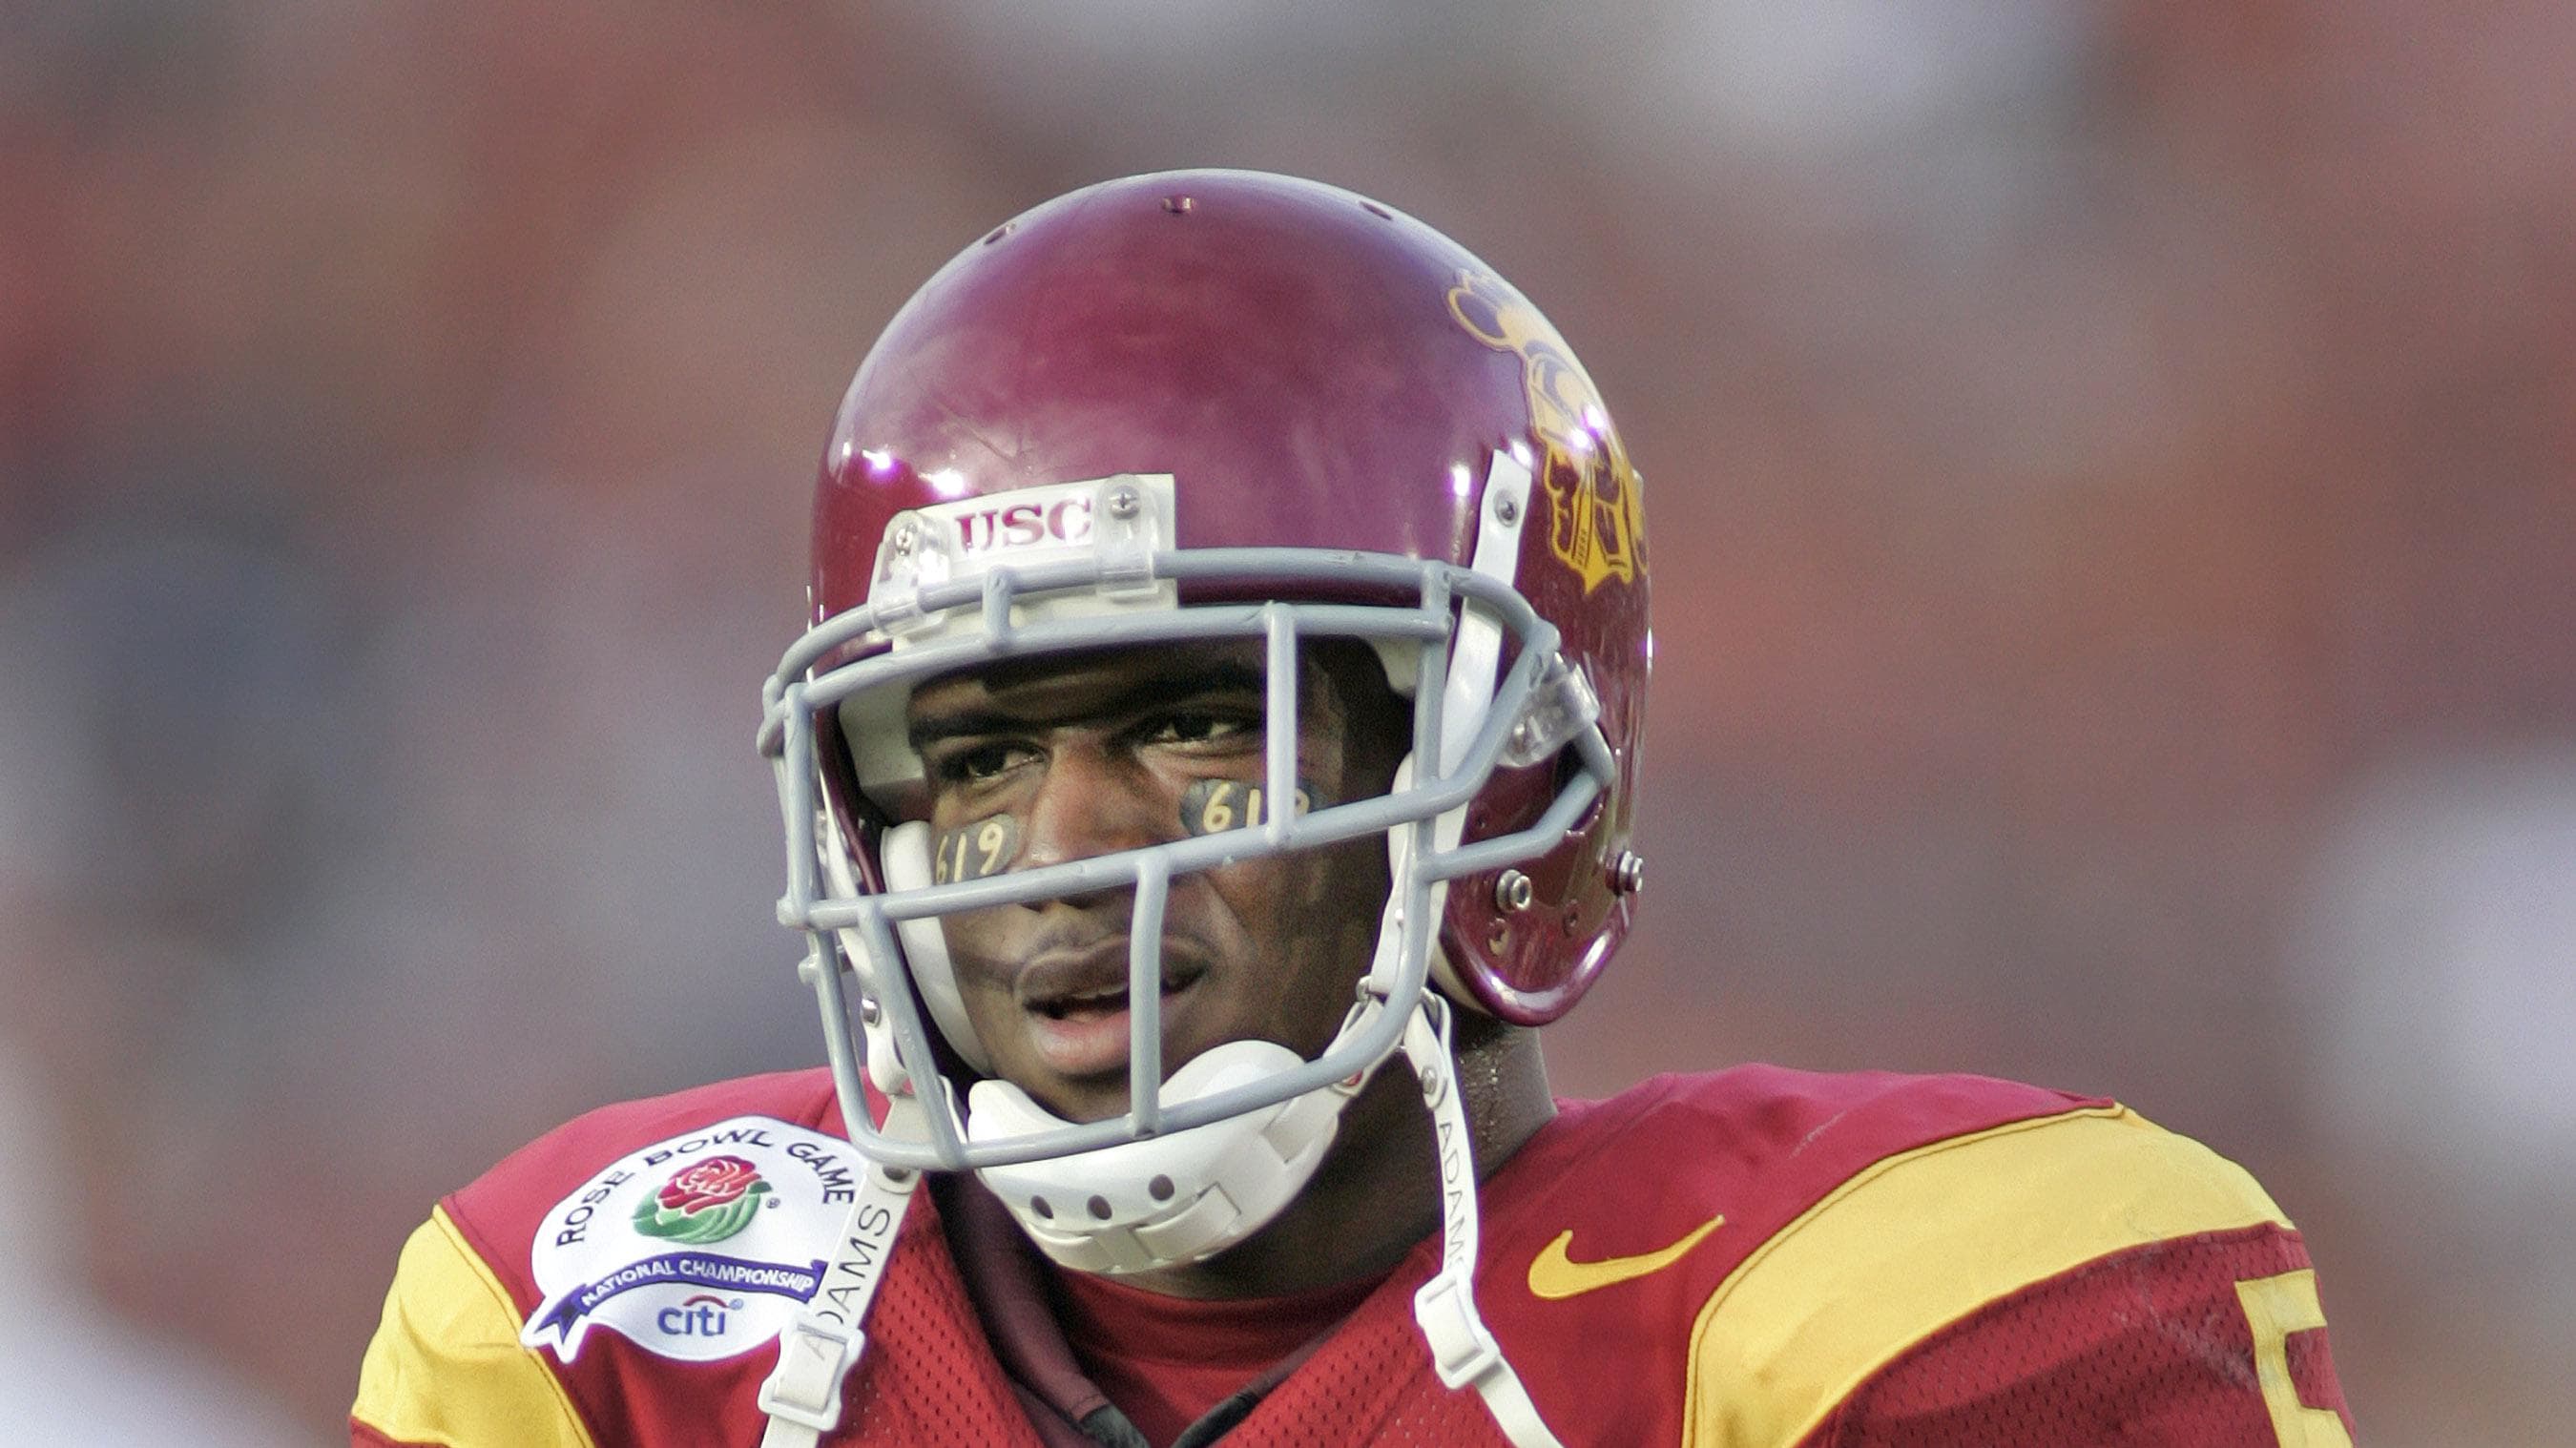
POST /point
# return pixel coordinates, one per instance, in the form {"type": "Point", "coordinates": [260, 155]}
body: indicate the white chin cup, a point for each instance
{"type": "Point", "coordinates": [1162, 1201]}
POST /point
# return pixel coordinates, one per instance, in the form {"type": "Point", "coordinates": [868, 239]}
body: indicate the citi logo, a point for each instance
{"type": "Point", "coordinates": [1025, 525]}
{"type": "Point", "coordinates": [703, 1315]}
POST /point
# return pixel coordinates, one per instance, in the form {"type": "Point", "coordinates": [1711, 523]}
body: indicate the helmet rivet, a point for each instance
{"type": "Point", "coordinates": [1628, 872]}
{"type": "Point", "coordinates": [1177, 205]}
{"type": "Point", "coordinates": [1123, 502]}
{"type": "Point", "coordinates": [1498, 939]}
{"type": "Point", "coordinates": [870, 1013]}
{"type": "Point", "coordinates": [903, 537]}
{"type": "Point", "coordinates": [1506, 512]}
{"type": "Point", "coordinates": [1512, 891]}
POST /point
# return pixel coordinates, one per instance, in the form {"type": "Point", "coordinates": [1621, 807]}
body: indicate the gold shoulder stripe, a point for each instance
{"type": "Point", "coordinates": [1922, 1239]}
{"type": "Point", "coordinates": [446, 1367]}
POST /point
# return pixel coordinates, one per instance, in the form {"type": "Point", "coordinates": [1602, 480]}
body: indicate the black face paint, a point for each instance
{"type": "Point", "coordinates": [1215, 805]}
{"type": "Point", "coordinates": [973, 851]}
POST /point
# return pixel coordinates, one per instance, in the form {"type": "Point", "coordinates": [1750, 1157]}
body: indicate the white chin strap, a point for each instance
{"type": "Point", "coordinates": [822, 1342]}
{"type": "Point", "coordinates": [1463, 1350]}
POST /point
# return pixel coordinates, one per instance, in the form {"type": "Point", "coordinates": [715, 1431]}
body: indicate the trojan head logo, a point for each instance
{"type": "Point", "coordinates": [1595, 513]}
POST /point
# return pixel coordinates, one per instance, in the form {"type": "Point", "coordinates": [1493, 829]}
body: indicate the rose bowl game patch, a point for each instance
{"type": "Point", "coordinates": [698, 1247]}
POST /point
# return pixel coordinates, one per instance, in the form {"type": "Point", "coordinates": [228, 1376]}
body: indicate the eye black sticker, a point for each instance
{"type": "Point", "coordinates": [971, 852]}
{"type": "Point", "coordinates": [1212, 806]}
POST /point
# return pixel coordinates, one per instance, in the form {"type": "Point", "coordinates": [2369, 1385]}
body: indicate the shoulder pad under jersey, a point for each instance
{"type": "Point", "coordinates": [1757, 1240]}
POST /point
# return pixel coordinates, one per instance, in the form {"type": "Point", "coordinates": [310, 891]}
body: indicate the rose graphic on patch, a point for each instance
{"type": "Point", "coordinates": [704, 1202]}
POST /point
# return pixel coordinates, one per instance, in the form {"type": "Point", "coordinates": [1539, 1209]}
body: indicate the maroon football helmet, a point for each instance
{"type": "Point", "coordinates": [1170, 398]}
{"type": "Point", "coordinates": [1219, 405]}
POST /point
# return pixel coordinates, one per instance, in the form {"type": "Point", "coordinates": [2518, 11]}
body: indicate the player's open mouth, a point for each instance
{"type": "Point", "coordinates": [1091, 1005]}
{"type": "Point", "coordinates": [1086, 1033]}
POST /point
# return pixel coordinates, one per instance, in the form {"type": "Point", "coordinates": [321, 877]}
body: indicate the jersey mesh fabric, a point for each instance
{"type": "Point", "coordinates": [1370, 1383]}
{"type": "Point", "coordinates": [928, 1380]}
{"type": "Point", "coordinates": [2149, 1346]}
{"type": "Point", "coordinates": [1166, 1361]}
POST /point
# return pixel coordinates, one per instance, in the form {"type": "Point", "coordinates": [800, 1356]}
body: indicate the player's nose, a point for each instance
{"type": "Point", "coordinates": [1092, 802]}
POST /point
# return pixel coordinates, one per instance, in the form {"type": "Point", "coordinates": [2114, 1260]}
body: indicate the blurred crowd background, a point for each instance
{"type": "Point", "coordinates": [2112, 471]}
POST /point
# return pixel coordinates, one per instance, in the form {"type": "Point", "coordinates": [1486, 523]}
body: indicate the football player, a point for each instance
{"type": "Point", "coordinates": [1214, 754]}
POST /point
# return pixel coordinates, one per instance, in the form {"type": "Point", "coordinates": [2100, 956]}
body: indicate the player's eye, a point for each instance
{"type": "Point", "coordinates": [973, 763]}
{"type": "Point", "coordinates": [1200, 726]}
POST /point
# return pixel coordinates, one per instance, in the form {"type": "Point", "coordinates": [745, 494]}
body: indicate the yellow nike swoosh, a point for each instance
{"type": "Point", "coordinates": [1554, 1275]}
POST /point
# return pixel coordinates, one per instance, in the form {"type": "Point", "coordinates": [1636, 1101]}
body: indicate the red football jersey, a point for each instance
{"type": "Point", "coordinates": [1758, 1258]}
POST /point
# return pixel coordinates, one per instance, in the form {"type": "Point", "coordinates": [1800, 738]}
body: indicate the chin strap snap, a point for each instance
{"type": "Point", "coordinates": [1463, 1350]}
{"type": "Point", "coordinates": [820, 1345]}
